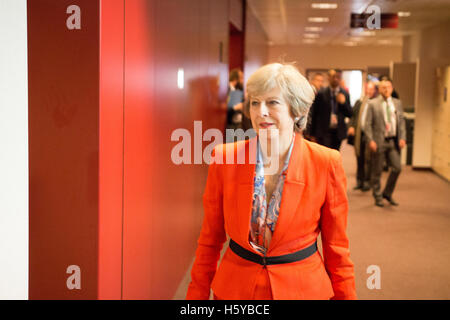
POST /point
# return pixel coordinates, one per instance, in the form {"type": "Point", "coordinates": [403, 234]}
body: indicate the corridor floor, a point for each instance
{"type": "Point", "coordinates": [410, 244]}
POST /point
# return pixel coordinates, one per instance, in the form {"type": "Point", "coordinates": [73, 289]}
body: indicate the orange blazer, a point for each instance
{"type": "Point", "coordinates": [314, 201]}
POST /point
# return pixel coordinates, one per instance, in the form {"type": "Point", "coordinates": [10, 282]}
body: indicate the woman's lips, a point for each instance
{"type": "Point", "coordinates": [265, 125]}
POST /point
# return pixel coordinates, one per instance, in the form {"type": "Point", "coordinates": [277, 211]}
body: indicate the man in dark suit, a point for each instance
{"type": "Point", "coordinates": [385, 131]}
{"type": "Point", "coordinates": [328, 112]}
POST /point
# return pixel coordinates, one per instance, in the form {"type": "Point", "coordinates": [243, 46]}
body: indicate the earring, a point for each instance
{"type": "Point", "coordinates": [296, 119]}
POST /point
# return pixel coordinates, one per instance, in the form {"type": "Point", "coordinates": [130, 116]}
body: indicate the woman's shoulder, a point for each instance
{"type": "Point", "coordinates": [321, 154]}
{"type": "Point", "coordinates": [233, 150]}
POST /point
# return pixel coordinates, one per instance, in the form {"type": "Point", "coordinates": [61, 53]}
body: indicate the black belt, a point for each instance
{"type": "Point", "coordinates": [287, 258]}
{"type": "Point", "coordinates": [389, 138]}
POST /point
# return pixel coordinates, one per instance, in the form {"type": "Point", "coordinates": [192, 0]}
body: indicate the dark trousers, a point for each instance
{"type": "Point", "coordinates": [387, 150]}
{"type": "Point", "coordinates": [363, 164]}
{"type": "Point", "coordinates": [330, 139]}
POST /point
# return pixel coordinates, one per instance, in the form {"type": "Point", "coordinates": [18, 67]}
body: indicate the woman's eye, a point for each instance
{"type": "Point", "coordinates": [273, 102]}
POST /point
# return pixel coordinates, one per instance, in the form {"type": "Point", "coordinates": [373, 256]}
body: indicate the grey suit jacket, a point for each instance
{"type": "Point", "coordinates": [375, 124]}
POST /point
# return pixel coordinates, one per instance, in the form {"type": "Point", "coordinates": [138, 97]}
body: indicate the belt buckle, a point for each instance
{"type": "Point", "coordinates": [264, 261]}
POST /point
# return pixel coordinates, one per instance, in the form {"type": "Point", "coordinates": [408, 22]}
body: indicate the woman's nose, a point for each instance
{"type": "Point", "coordinates": [263, 110]}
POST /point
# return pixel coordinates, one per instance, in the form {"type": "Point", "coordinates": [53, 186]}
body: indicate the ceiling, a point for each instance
{"type": "Point", "coordinates": [285, 21]}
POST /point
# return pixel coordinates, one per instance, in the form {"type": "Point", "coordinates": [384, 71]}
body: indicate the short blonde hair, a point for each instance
{"type": "Point", "coordinates": [296, 90]}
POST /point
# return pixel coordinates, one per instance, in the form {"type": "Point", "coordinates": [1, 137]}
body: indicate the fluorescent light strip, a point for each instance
{"type": "Point", "coordinates": [313, 29]}
{"type": "Point", "coordinates": [324, 5]}
{"type": "Point", "coordinates": [404, 14]}
{"type": "Point", "coordinates": [311, 35]}
{"type": "Point", "coordinates": [318, 19]}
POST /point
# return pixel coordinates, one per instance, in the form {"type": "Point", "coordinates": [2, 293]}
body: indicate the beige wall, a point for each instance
{"type": "Point", "coordinates": [440, 160]}
{"type": "Point", "coordinates": [255, 44]}
{"type": "Point", "coordinates": [431, 49]}
{"type": "Point", "coordinates": [343, 57]}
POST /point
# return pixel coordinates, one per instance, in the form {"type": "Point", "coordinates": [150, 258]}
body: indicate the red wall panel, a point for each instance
{"type": "Point", "coordinates": [111, 148]}
{"type": "Point", "coordinates": [103, 103]}
{"type": "Point", "coordinates": [162, 201]}
{"type": "Point", "coordinates": [63, 148]}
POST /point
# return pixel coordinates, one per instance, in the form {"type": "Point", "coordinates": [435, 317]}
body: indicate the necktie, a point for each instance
{"type": "Point", "coordinates": [334, 102]}
{"type": "Point", "coordinates": [388, 112]}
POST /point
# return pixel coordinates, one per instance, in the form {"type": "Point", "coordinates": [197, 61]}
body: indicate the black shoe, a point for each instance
{"type": "Point", "coordinates": [365, 188]}
{"type": "Point", "coordinates": [379, 202]}
{"type": "Point", "coordinates": [358, 187]}
{"type": "Point", "coordinates": [390, 200]}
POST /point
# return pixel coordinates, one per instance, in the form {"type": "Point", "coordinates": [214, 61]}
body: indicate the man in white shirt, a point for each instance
{"type": "Point", "coordinates": [385, 131]}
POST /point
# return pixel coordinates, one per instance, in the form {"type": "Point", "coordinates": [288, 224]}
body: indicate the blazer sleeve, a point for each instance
{"type": "Point", "coordinates": [345, 107]}
{"type": "Point", "coordinates": [212, 236]}
{"type": "Point", "coordinates": [333, 224]}
{"type": "Point", "coordinates": [401, 122]}
{"type": "Point", "coordinates": [312, 115]}
{"type": "Point", "coordinates": [368, 125]}
{"type": "Point", "coordinates": [354, 119]}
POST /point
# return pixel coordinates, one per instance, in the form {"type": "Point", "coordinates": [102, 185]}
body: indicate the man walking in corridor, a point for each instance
{"type": "Point", "coordinates": [385, 131]}
{"type": "Point", "coordinates": [355, 130]}
{"type": "Point", "coordinates": [331, 105]}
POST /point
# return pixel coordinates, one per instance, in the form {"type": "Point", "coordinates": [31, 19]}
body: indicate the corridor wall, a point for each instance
{"type": "Point", "coordinates": [111, 215]}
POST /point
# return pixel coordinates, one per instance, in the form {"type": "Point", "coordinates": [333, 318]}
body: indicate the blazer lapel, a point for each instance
{"type": "Point", "coordinates": [244, 194]}
{"type": "Point", "coordinates": [292, 192]}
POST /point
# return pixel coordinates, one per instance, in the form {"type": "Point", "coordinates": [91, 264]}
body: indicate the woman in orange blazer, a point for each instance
{"type": "Point", "coordinates": [274, 205]}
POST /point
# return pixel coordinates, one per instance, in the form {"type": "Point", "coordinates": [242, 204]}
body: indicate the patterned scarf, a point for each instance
{"type": "Point", "coordinates": [264, 218]}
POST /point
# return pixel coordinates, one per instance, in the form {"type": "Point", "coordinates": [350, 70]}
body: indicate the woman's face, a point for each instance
{"type": "Point", "coordinates": [270, 111]}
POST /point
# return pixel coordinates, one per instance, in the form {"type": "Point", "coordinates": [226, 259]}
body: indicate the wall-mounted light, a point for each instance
{"type": "Point", "coordinates": [180, 78]}
{"type": "Point", "coordinates": [403, 14]}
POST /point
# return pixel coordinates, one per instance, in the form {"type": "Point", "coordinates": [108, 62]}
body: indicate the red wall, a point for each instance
{"type": "Point", "coordinates": [103, 102]}
{"type": "Point", "coordinates": [162, 201]}
{"type": "Point", "coordinates": [63, 114]}
{"type": "Point", "coordinates": [236, 48]}
{"type": "Point", "coordinates": [111, 149]}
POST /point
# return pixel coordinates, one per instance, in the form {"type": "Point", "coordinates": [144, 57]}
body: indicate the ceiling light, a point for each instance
{"type": "Point", "coordinates": [309, 41]}
{"type": "Point", "coordinates": [313, 29]}
{"type": "Point", "coordinates": [318, 19]}
{"type": "Point", "coordinates": [324, 5]}
{"type": "Point", "coordinates": [350, 43]}
{"type": "Point", "coordinates": [384, 41]}
{"type": "Point", "coordinates": [311, 35]}
{"type": "Point", "coordinates": [361, 32]}
{"type": "Point", "coordinates": [367, 33]}
{"type": "Point", "coordinates": [404, 14]}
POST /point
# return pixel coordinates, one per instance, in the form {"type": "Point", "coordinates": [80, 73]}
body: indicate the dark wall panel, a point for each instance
{"type": "Point", "coordinates": [63, 114]}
